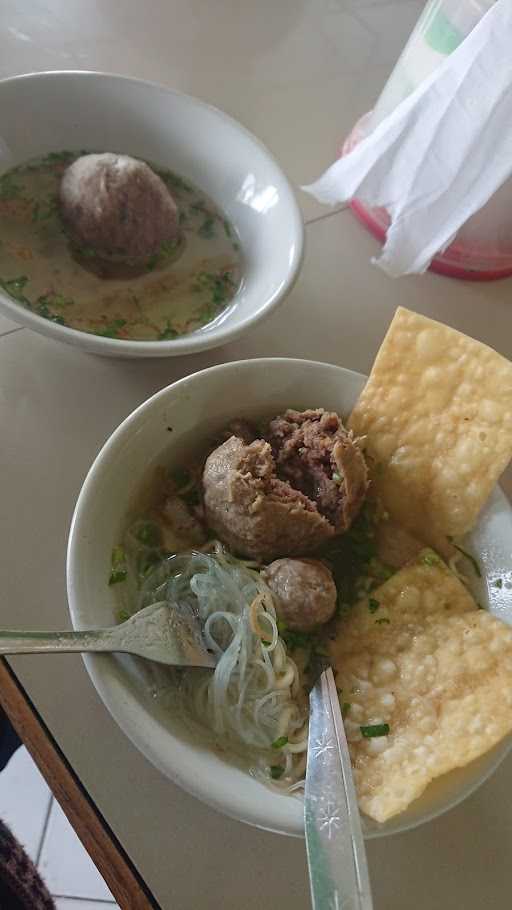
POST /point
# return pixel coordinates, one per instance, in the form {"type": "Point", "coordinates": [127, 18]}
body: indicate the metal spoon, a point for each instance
{"type": "Point", "coordinates": [163, 633]}
{"type": "Point", "coordinates": [338, 871]}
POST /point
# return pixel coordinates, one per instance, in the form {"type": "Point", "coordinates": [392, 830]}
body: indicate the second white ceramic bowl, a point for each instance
{"type": "Point", "coordinates": [45, 112]}
{"type": "Point", "coordinates": [172, 426]}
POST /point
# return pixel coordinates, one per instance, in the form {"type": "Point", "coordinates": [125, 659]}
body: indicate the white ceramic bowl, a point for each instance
{"type": "Point", "coordinates": [177, 422]}
{"type": "Point", "coordinates": [45, 112]}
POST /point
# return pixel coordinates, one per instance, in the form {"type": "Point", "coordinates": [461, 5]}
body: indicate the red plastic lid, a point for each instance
{"type": "Point", "coordinates": [456, 260]}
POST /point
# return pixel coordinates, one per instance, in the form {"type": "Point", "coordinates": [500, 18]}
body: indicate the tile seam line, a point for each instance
{"type": "Point", "coordinates": [45, 830]}
{"type": "Point", "coordinates": [18, 328]}
{"type": "Point", "coordinates": [337, 211]}
{"type": "Point", "coordinates": [101, 901]}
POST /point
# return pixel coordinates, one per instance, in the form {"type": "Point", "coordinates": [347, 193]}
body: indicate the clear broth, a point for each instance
{"type": "Point", "coordinates": [182, 290]}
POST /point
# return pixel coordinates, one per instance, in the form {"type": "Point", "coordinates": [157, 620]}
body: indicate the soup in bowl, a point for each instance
{"type": "Point", "coordinates": [121, 538]}
{"type": "Point", "coordinates": [137, 221]}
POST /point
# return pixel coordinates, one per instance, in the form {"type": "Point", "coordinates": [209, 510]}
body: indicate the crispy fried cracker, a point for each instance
{"type": "Point", "coordinates": [420, 657]}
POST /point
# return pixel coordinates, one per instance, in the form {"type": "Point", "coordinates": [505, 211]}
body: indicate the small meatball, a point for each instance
{"type": "Point", "coordinates": [118, 208]}
{"type": "Point", "coordinates": [181, 530]}
{"type": "Point", "coordinates": [304, 592]}
{"type": "Point", "coordinates": [253, 512]}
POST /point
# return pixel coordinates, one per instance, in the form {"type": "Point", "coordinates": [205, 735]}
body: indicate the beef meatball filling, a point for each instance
{"type": "Point", "coordinates": [316, 454]}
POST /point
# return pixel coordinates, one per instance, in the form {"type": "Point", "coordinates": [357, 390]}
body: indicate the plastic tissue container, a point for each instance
{"type": "Point", "coordinates": [482, 250]}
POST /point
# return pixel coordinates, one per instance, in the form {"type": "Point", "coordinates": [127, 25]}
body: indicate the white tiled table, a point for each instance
{"type": "Point", "coordinates": [38, 822]}
{"type": "Point", "coordinates": [297, 73]}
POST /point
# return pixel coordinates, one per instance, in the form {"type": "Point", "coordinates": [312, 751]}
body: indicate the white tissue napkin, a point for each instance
{"type": "Point", "coordinates": [441, 154]}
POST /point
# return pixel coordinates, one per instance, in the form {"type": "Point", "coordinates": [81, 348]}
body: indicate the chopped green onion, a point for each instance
{"type": "Point", "coordinates": [147, 561]}
{"type": "Point", "coordinates": [119, 568]}
{"type": "Point", "coordinates": [111, 330]}
{"type": "Point", "coordinates": [14, 287]}
{"type": "Point", "coordinates": [380, 570]}
{"type": "Point", "coordinates": [175, 182]}
{"type": "Point", "coordinates": [168, 333]}
{"type": "Point", "coordinates": [87, 252]}
{"type": "Point", "coordinates": [373, 730]}
{"type": "Point", "coordinates": [345, 708]}
{"type": "Point", "coordinates": [42, 309]}
{"type": "Point", "coordinates": [60, 157]}
{"type": "Point", "coordinates": [382, 620]}
{"type": "Point", "coordinates": [321, 652]}
{"type": "Point", "coordinates": [9, 189]}
{"type": "Point", "coordinates": [44, 210]}
{"type": "Point", "coordinates": [297, 639]}
{"type": "Point", "coordinates": [149, 534]}
{"type": "Point", "coordinates": [152, 262]}
{"type": "Point", "coordinates": [276, 771]}
{"type": "Point", "coordinates": [207, 228]}
{"type": "Point", "coordinates": [280, 742]}
{"type": "Point", "coordinates": [227, 228]}
{"type": "Point", "coordinates": [123, 615]}
{"type": "Point", "coordinates": [373, 605]}
{"type": "Point", "coordinates": [59, 300]}
{"type": "Point", "coordinates": [498, 583]}
{"type": "Point", "coordinates": [469, 556]}
{"type": "Point", "coordinates": [432, 559]}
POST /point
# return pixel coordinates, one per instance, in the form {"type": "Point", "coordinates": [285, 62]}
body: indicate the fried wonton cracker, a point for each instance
{"type": "Point", "coordinates": [421, 658]}
{"type": "Point", "coordinates": [437, 414]}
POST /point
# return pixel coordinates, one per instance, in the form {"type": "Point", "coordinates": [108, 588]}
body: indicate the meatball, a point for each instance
{"type": "Point", "coordinates": [117, 208]}
{"type": "Point", "coordinates": [304, 592]}
{"type": "Point", "coordinates": [316, 454]}
{"type": "Point", "coordinates": [253, 512]}
{"type": "Point", "coordinates": [290, 494]}
{"type": "Point", "coordinates": [181, 529]}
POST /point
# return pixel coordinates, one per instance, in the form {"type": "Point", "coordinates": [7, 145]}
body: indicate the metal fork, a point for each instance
{"type": "Point", "coordinates": [163, 633]}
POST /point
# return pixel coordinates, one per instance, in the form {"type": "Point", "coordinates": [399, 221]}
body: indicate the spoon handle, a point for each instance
{"type": "Point", "coordinates": [16, 642]}
{"type": "Point", "coordinates": [338, 871]}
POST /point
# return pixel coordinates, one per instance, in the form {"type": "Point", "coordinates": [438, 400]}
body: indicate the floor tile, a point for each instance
{"type": "Point", "coordinates": [71, 903]}
{"type": "Point", "coordinates": [24, 800]}
{"type": "Point", "coordinates": [7, 325]}
{"type": "Point", "coordinates": [65, 864]}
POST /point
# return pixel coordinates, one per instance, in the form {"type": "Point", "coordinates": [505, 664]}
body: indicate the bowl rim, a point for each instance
{"type": "Point", "coordinates": [119, 702]}
{"type": "Point", "coordinates": [188, 344]}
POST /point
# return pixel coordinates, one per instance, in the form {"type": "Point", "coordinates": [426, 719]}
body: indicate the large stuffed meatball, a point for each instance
{"type": "Point", "coordinates": [253, 512]}
{"type": "Point", "coordinates": [117, 209]}
{"type": "Point", "coordinates": [288, 494]}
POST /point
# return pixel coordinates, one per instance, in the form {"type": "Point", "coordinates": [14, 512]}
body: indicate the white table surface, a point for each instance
{"type": "Point", "coordinates": [298, 74]}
